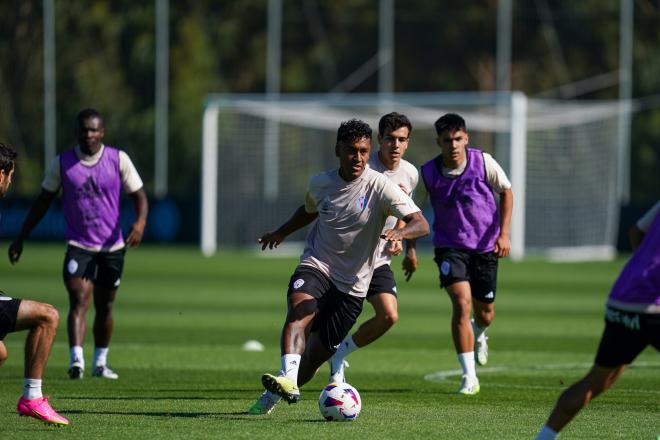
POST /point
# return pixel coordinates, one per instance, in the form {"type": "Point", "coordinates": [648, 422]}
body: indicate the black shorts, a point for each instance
{"type": "Point", "coordinates": [337, 311]}
{"type": "Point", "coordinates": [8, 314]}
{"type": "Point", "coordinates": [102, 268]}
{"type": "Point", "coordinates": [382, 281]}
{"type": "Point", "coordinates": [479, 269]}
{"type": "Point", "coordinates": [625, 336]}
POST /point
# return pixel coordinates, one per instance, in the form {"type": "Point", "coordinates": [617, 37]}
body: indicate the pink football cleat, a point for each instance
{"type": "Point", "coordinates": [40, 409]}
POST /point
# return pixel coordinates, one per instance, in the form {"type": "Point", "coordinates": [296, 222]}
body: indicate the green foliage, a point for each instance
{"type": "Point", "coordinates": [180, 320]}
{"type": "Point", "coordinates": [106, 57]}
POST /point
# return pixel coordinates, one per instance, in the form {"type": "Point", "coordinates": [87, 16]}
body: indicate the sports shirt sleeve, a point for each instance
{"type": "Point", "coordinates": [495, 175]}
{"type": "Point", "coordinates": [130, 179]}
{"type": "Point", "coordinates": [420, 193]}
{"type": "Point", "coordinates": [644, 223]}
{"type": "Point", "coordinates": [396, 202]}
{"type": "Point", "coordinates": [52, 179]}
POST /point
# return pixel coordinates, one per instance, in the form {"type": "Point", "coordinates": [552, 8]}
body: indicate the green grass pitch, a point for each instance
{"type": "Point", "coordinates": [180, 321]}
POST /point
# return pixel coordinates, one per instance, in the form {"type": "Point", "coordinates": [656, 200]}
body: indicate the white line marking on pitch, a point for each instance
{"type": "Point", "coordinates": [443, 375]}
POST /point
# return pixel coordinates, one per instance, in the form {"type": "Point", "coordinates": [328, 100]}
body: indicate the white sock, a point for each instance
{"type": "Point", "coordinates": [346, 347]}
{"type": "Point", "coordinates": [100, 356]}
{"type": "Point", "coordinates": [76, 355]}
{"type": "Point", "coordinates": [290, 366]}
{"type": "Point", "coordinates": [31, 389]}
{"type": "Point", "coordinates": [546, 433]}
{"type": "Point", "coordinates": [478, 331]}
{"type": "Point", "coordinates": [467, 363]}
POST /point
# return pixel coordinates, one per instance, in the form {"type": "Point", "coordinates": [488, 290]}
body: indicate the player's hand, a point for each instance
{"type": "Point", "coordinates": [409, 263]}
{"type": "Point", "coordinates": [15, 251]}
{"type": "Point", "coordinates": [135, 236]}
{"type": "Point", "coordinates": [392, 235]}
{"type": "Point", "coordinates": [502, 246]}
{"type": "Point", "coordinates": [394, 248]}
{"type": "Point", "coordinates": [270, 240]}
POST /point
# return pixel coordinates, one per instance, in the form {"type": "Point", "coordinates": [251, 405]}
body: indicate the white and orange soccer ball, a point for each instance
{"type": "Point", "coordinates": [340, 402]}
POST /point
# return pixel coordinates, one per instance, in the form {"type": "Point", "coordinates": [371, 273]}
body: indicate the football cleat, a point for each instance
{"type": "Point", "coordinates": [481, 349]}
{"type": "Point", "coordinates": [76, 370]}
{"type": "Point", "coordinates": [469, 386]}
{"type": "Point", "coordinates": [338, 376]}
{"type": "Point", "coordinates": [264, 404]}
{"type": "Point", "coordinates": [282, 386]}
{"type": "Point", "coordinates": [40, 409]}
{"type": "Point", "coordinates": [104, 372]}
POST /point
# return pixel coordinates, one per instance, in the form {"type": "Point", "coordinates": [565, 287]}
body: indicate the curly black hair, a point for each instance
{"type": "Point", "coordinates": [353, 130]}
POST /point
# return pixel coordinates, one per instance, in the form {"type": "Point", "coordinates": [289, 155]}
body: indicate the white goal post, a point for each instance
{"type": "Point", "coordinates": [259, 153]}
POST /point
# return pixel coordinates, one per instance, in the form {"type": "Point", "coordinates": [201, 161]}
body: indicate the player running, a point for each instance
{"type": "Point", "coordinates": [328, 287]}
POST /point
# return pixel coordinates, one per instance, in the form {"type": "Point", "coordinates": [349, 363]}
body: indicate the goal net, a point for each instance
{"type": "Point", "coordinates": [258, 155]}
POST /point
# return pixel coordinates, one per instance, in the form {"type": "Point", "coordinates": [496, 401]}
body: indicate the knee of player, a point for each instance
{"type": "Point", "coordinates": [3, 354]}
{"type": "Point", "coordinates": [391, 318]}
{"type": "Point", "coordinates": [50, 316]}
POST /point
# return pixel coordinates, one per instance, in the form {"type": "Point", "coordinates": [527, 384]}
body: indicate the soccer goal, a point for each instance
{"type": "Point", "coordinates": [258, 155]}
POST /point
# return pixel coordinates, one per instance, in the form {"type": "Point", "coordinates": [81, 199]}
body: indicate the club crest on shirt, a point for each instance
{"type": "Point", "coordinates": [362, 202]}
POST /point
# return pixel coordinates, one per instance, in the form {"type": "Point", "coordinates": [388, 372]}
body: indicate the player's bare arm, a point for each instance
{"type": "Point", "coordinates": [34, 216]}
{"type": "Point", "coordinates": [141, 209]}
{"type": "Point", "coordinates": [503, 242]}
{"type": "Point", "coordinates": [416, 226]}
{"type": "Point", "coordinates": [298, 220]}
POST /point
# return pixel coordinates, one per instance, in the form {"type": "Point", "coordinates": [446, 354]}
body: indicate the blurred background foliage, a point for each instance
{"type": "Point", "coordinates": [106, 56]}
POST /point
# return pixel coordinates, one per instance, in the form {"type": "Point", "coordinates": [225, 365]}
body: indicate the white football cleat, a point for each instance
{"type": "Point", "coordinates": [338, 376]}
{"type": "Point", "coordinates": [104, 372]}
{"type": "Point", "coordinates": [469, 386]}
{"type": "Point", "coordinates": [481, 349]}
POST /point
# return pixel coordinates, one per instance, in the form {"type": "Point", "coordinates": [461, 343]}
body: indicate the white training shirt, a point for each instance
{"type": "Point", "coordinates": [406, 177]}
{"type": "Point", "coordinates": [351, 215]}
{"type": "Point", "coordinates": [130, 178]}
{"type": "Point", "coordinates": [495, 176]}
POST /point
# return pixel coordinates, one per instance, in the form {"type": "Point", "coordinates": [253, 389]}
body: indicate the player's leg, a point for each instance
{"type": "Point", "coordinates": [483, 282]}
{"type": "Point", "coordinates": [382, 296]}
{"type": "Point", "coordinates": [306, 288]}
{"type": "Point", "coordinates": [78, 273]}
{"type": "Point", "coordinates": [41, 322]}
{"type": "Point", "coordinates": [578, 395]}
{"type": "Point", "coordinates": [3, 353]}
{"type": "Point", "coordinates": [110, 266]}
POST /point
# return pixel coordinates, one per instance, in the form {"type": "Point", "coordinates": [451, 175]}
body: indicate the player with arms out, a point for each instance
{"type": "Point", "coordinates": [91, 177]}
{"type": "Point", "coordinates": [394, 131]}
{"type": "Point", "coordinates": [468, 235]}
{"type": "Point", "coordinates": [327, 289]}
{"type": "Point", "coordinates": [632, 323]}
{"type": "Point", "coordinates": [39, 319]}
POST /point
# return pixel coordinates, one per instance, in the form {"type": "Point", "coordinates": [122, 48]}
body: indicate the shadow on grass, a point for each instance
{"type": "Point", "coordinates": [145, 398]}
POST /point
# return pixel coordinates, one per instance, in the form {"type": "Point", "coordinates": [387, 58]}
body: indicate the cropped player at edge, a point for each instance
{"type": "Point", "coordinates": [468, 235]}
{"type": "Point", "coordinates": [632, 323]}
{"type": "Point", "coordinates": [39, 319]}
{"type": "Point", "coordinates": [327, 289]}
{"type": "Point", "coordinates": [394, 131]}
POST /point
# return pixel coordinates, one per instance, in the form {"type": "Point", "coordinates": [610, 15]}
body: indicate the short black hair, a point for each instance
{"type": "Point", "coordinates": [449, 122]}
{"type": "Point", "coordinates": [353, 130]}
{"type": "Point", "coordinates": [86, 114]}
{"type": "Point", "coordinates": [393, 121]}
{"type": "Point", "coordinates": [7, 157]}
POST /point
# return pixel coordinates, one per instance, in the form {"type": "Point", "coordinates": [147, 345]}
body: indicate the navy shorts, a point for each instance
{"type": "Point", "coordinates": [479, 269]}
{"type": "Point", "coordinates": [8, 314]}
{"type": "Point", "coordinates": [102, 268]}
{"type": "Point", "coordinates": [382, 281]}
{"type": "Point", "coordinates": [337, 311]}
{"type": "Point", "coordinates": [625, 336]}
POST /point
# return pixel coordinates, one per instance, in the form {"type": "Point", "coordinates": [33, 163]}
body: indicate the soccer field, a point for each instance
{"type": "Point", "coordinates": [180, 321]}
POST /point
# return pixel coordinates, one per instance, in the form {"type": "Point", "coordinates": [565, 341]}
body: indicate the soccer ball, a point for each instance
{"type": "Point", "coordinates": [340, 402]}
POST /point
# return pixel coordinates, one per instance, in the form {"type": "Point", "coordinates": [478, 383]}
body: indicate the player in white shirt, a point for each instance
{"type": "Point", "coordinates": [394, 131]}
{"type": "Point", "coordinates": [329, 285]}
